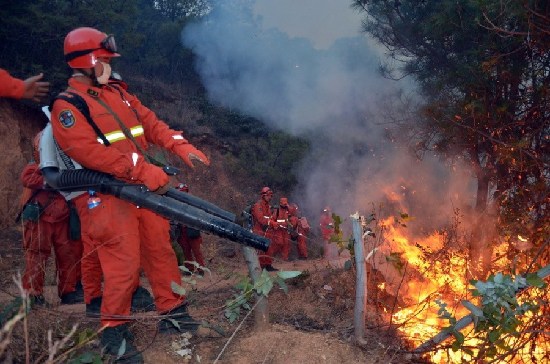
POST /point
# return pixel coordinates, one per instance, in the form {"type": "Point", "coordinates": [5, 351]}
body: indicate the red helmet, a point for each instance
{"type": "Point", "coordinates": [266, 190]}
{"type": "Point", "coordinates": [83, 46]}
{"type": "Point", "coordinates": [293, 209]}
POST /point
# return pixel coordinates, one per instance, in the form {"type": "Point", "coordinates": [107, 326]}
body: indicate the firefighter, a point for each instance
{"type": "Point", "coordinates": [300, 229]}
{"type": "Point", "coordinates": [190, 241]}
{"type": "Point", "coordinates": [125, 236]}
{"type": "Point", "coordinates": [264, 225]}
{"type": "Point", "coordinates": [281, 235]}
{"type": "Point", "coordinates": [92, 277]}
{"type": "Point", "coordinates": [32, 88]}
{"type": "Point", "coordinates": [326, 225]}
{"type": "Point", "coordinates": [45, 218]}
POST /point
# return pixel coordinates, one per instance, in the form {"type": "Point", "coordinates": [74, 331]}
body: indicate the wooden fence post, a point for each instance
{"type": "Point", "coordinates": [360, 281]}
{"type": "Point", "coordinates": [261, 312]}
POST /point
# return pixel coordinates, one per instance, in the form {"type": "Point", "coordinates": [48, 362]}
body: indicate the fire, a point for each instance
{"type": "Point", "coordinates": [423, 273]}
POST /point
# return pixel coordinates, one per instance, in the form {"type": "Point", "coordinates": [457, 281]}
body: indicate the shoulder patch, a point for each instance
{"type": "Point", "coordinates": [66, 118]}
{"type": "Point", "coordinates": [92, 92]}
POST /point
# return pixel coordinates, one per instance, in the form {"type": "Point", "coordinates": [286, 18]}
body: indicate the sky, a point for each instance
{"type": "Point", "coordinates": [303, 18]}
{"type": "Point", "coordinates": [304, 67]}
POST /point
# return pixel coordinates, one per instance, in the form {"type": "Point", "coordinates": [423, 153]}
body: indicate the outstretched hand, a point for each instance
{"type": "Point", "coordinates": [35, 89]}
{"type": "Point", "coordinates": [188, 153]}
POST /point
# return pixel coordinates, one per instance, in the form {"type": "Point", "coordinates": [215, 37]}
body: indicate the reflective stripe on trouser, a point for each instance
{"type": "Point", "coordinates": [38, 240]}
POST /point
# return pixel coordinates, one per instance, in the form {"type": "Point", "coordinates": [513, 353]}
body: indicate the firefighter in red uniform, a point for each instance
{"type": "Point", "coordinates": [45, 218]}
{"type": "Point", "coordinates": [281, 235]}
{"type": "Point", "coordinates": [31, 88]}
{"type": "Point", "coordinates": [299, 231]}
{"type": "Point", "coordinates": [326, 225]}
{"type": "Point", "coordinates": [190, 241]}
{"type": "Point", "coordinates": [124, 234]}
{"type": "Point", "coordinates": [263, 225]}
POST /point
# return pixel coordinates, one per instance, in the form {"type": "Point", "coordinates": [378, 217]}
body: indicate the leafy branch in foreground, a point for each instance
{"type": "Point", "coordinates": [241, 300]}
{"type": "Point", "coordinates": [502, 318]}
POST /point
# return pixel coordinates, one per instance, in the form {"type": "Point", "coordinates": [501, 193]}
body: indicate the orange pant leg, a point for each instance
{"type": "Point", "coordinates": [159, 259]}
{"type": "Point", "coordinates": [67, 257]}
{"type": "Point", "coordinates": [302, 246]}
{"type": "Point", "coordinates": [37, 247]}
{"type": "Point", "coordinates": [265, 258]}
{"type": "Point", "coordinates": [92, 276]}
{"type": "Point", "coordinates": [114, 234]}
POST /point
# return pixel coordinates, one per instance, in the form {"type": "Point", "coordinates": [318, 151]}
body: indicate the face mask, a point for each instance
{"type": "Point", "coordinates": [104, 78]}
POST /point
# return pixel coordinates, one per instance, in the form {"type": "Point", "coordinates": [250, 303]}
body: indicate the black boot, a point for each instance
{"type": "Point", "coordinates": [178, 320]}
{"type": "Point", "coordinates": [76, 296]}
{"type": "Point", "coordinates": [111, 342]}
{"type": "Point", "coordinates": [142, 301]}
{"type": "Point", "coordinates": [93, 309]}
{"type": "Point", "coordinates": [271, 268]}
{"type": "Point", "coordinates": [37, 301]}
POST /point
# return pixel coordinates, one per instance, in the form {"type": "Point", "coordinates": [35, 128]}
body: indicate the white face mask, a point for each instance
{"type": "Point", "coordinates": [103, 79]}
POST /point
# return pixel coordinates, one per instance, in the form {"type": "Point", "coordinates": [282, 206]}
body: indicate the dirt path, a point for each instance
{"type": "Point", "coordinates": [312, 323]}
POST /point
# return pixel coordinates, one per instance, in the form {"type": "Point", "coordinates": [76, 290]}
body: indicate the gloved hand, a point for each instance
{"type": "Point", "coordinates": [187, 152]}
{"type": "Point", "coordinates": [273, 224]}
{"type": "Point", "coordinates": [150, 175]}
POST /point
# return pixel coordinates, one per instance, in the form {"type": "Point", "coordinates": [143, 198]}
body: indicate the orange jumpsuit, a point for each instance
{"type": "Point", "coordinates": [281, 237]}
{"type": "Point", "coordinates": [120, 232]}
{"type": "Point", "coordinates": [11, 86]}
{"type": "Point", "coordinates": [301, 234]}
{"type": "Point", "coordinates": [50, 231]}
{"type": "Point", "coordinates": [261, 215]}
{"type": "Point", "coordinates": [191, 246]}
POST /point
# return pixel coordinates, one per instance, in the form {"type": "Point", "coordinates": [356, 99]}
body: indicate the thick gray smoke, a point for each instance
{"type": "Point", "coordinates": [330, 96]}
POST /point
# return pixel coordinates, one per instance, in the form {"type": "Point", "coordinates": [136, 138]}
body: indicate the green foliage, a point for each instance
{"type": "Point", "coordinates": [262, 287]}
{"type": "Point", "coordinates": [500, 315]}
{"type": "Point", "coordinates": [482, 70]}
{"type": "Point", "coordinates": [255, 150]}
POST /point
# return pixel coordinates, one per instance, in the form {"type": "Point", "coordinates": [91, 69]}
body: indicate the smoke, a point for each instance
{"type": "Point", "coordinates": [332, 96]}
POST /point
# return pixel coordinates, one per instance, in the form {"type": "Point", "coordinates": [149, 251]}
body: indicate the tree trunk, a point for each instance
{"type": "Point", "coordinates": [261, 312]}
{"type": "Point", "coordinates": [480, 243]}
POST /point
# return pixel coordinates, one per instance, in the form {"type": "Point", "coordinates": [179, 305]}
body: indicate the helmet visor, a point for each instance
{"type": "Point", "coordinates": [108, 44]}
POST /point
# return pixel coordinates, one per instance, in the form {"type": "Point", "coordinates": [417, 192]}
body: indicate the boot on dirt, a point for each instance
{"type": "Point", "coordinates": [177, 321]}
{"type": "Point", "coordinates": [112, 339]}
{"type": "Point", "coordinates": [38, 301]}
{"type": "Point", "coordinates": [142, 301]}
{"type": "Point", "coordinates": [71, 298]}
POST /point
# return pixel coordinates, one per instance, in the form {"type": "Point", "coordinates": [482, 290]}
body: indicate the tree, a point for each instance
{"type": "Point", "coordinates": [485, 100]}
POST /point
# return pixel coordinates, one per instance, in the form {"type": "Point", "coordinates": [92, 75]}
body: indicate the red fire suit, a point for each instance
{"type": "Point", "coordinates": [263, 226]}
{"type": "Point", "coordinates": [50, 231]}
{"type": "Point", "coordinates": [11, 86]}
{"type": "Point", "coordinates": [120, 232]}
{"type": "Point", "coordinates": [190, 241]}
{"type": "Point", "coordinates": [281, 237]}
{"type": "Point", "coordinates": [301, 229]}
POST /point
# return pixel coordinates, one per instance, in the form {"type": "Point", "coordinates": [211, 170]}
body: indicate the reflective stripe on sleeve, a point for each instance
{"type": "Point", "coordinates": [118, 135]}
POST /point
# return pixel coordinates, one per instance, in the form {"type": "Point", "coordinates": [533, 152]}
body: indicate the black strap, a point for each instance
{"type": "Point", "coordinates": [77, 101]}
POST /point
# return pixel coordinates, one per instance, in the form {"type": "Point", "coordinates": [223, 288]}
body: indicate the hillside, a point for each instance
{"type": "Point", "coordinates": [310, 324]}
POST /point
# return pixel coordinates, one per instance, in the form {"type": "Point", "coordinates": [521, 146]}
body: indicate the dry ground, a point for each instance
{"type": "Point", "coordinates": [310, 324]}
